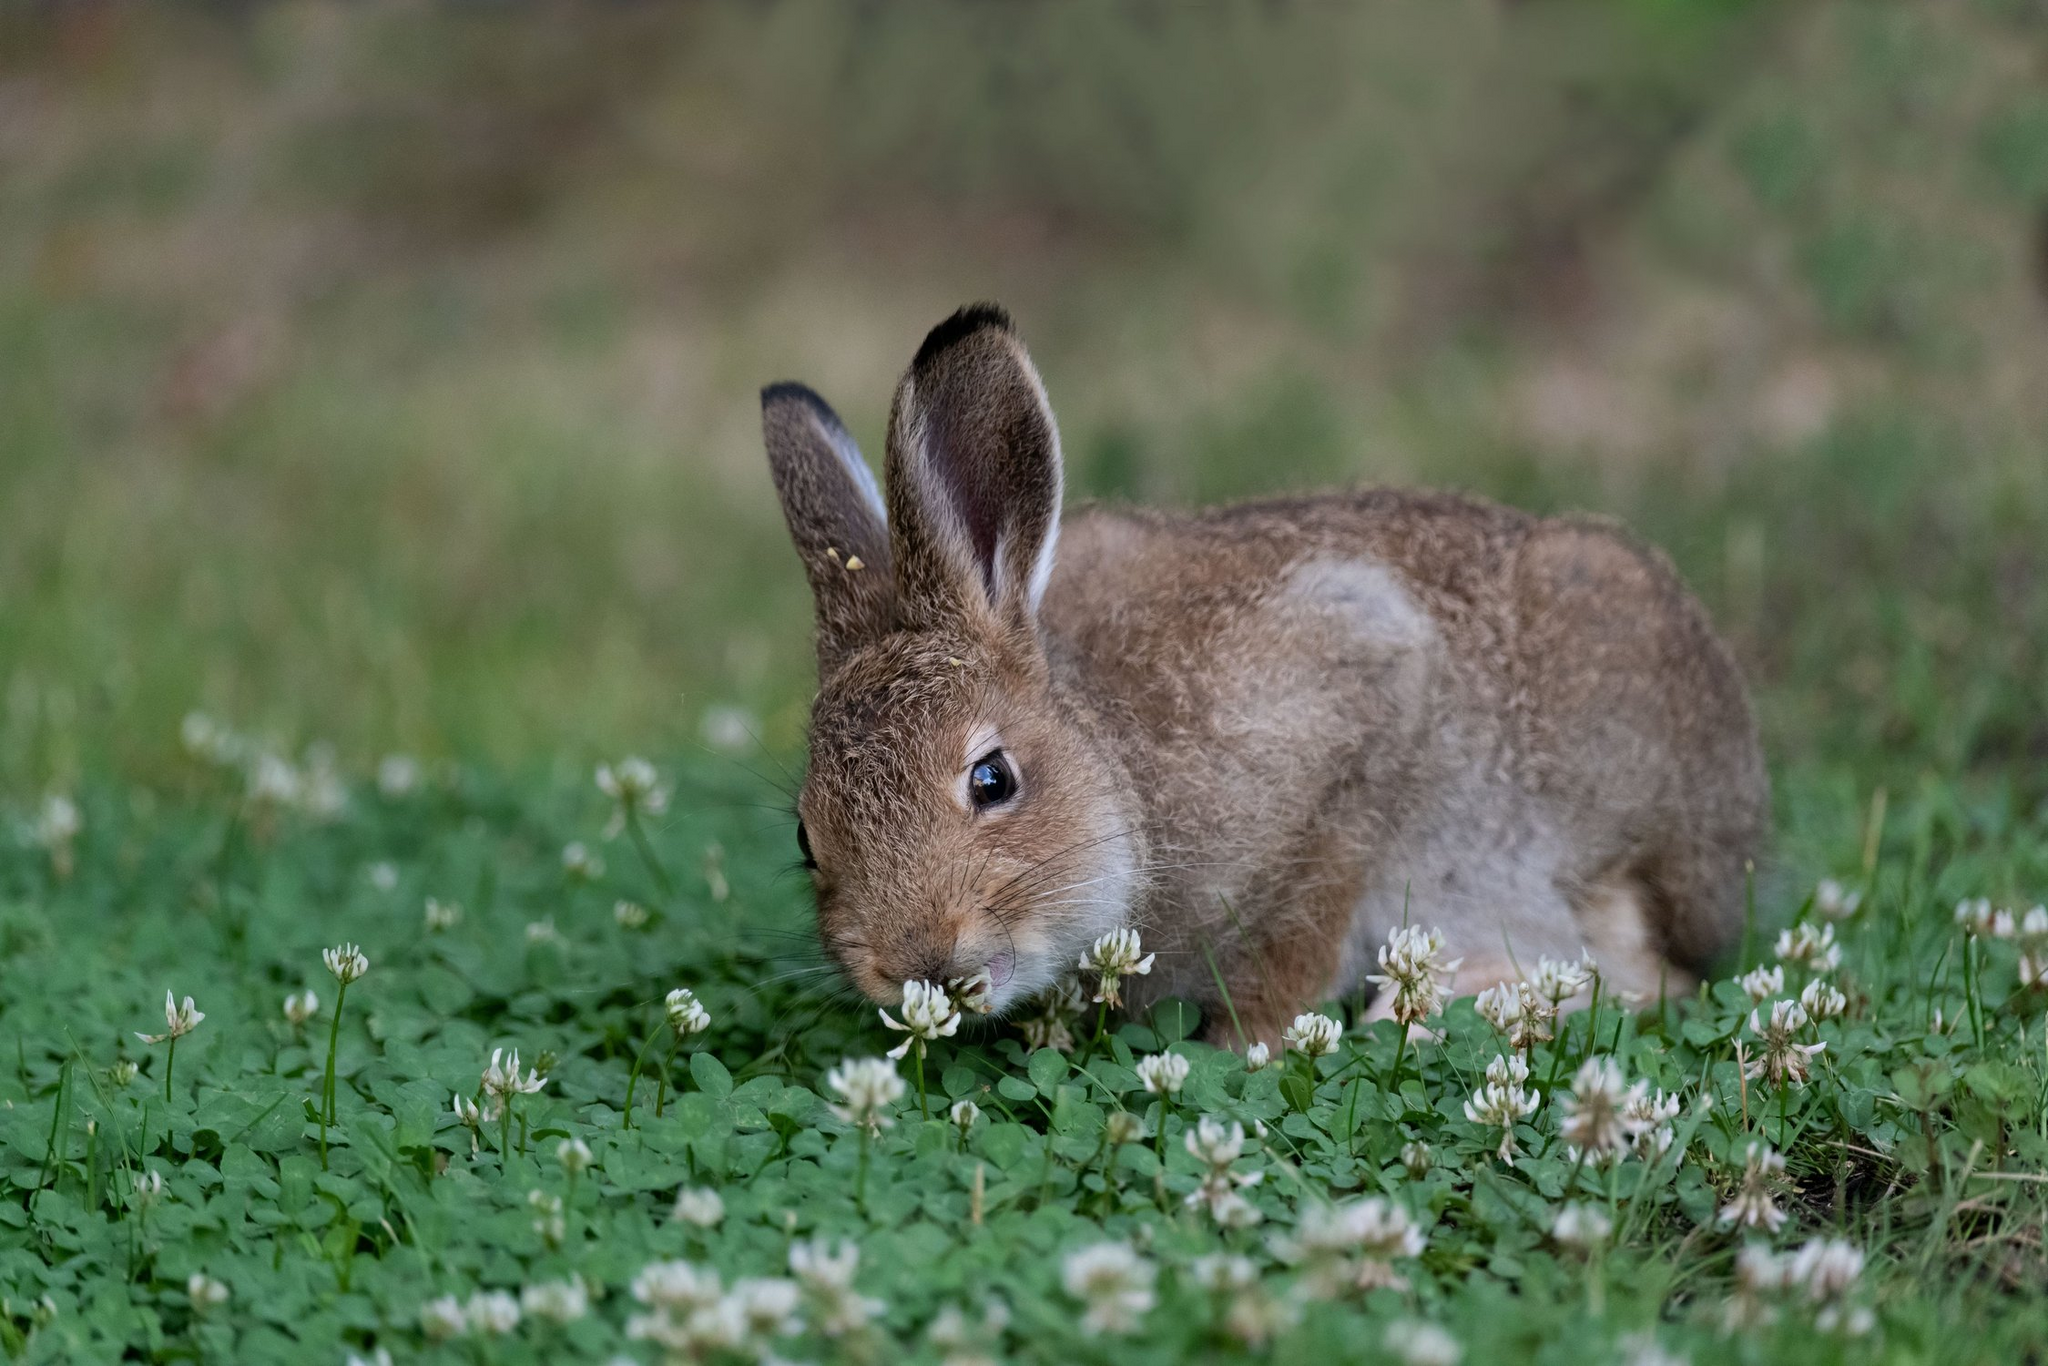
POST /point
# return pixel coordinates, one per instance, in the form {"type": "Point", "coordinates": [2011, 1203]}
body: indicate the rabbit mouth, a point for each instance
{"type": "Point", "coordinates": [1001, 969]}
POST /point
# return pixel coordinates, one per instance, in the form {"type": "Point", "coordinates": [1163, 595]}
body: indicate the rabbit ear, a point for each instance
{"type": "Point", "coordinates": [974, 476]}
{"type": "Point", "coordinates": [835, 516]}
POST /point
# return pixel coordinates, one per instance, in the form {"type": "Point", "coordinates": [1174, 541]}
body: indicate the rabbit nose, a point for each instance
{"type": "Point", "coordinates": [926, 955]}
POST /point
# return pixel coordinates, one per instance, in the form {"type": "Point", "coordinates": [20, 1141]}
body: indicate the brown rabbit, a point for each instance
{"type": "Point", "coordinates": [1262, 735]}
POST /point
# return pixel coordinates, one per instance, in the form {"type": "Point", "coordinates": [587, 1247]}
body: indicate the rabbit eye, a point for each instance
{"type": "Point", "coordinates": [991, 781]}
{"type": "Point", "coordinates": [803, 845]}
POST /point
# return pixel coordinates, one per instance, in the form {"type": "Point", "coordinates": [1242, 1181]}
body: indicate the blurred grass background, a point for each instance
{"type": "Point", "coordinates": [385, 374]}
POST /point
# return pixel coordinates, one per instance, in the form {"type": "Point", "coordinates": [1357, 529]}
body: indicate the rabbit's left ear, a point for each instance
{"type": "Point", "coordinates": [973, 475]}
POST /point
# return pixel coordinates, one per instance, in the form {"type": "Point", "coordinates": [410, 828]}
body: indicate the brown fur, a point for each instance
{"type": "Point", "coordinates": [1262, 735]}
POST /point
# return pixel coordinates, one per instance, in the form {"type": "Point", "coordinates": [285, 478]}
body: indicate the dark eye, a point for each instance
{"type": "Point", "coordinates": [803, 845]}
{"type": "Point", "coordinates": [991, 781]}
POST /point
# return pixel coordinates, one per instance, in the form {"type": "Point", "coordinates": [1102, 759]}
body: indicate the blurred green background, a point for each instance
{"type": "Point", "coordinates": [385, 374]}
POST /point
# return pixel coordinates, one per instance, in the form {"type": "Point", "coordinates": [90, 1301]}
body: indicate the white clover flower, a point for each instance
{"type": "Point", "coordinates": [206, 1292]}
{"type": "Point", "coordinates": [1647, 1118]}
{"type": "Point", "coordinates": [548, 1219]}
{"type": "Point", "coordinates": [556, 1301]}
{"type": "Point", "coordinates": [1981, 920]}
{"type": "Point", "coordinates": [1163, 1073]}
{"type": "Point", "coordinates": [1821, 1000]}
{"type": "Point", "coordinates": [825, 1276]}
{"type": "Point", "coordinates": [384, 875]}
{"type": "Point", "coordinates": [1643, 1349]}
{"type": "Point", "coordinates": [867, 1087]}
{"type": "Point", "coordinates": [123, 1073]}
{"type": "Point", "coordinates": [1782, 1060]}
{"type": "Point", "coordinates": [1595, 1118]}
{"type": "Point", "coordinates": [1415, 1343]}
{"type": "Point", "coordinates": [469, 1117]}
{"type": "Point", "coordinates": [1256, 1057]}
{"type": "Point", "coordinates": [635, 789]}
{"type": "Point", "coordinates": [975, 992]}
{"type": "Point", "coordinates": [1254, 1318]}
{"type": "Point", "coordinates": [574, 1155]}
{"type": "Point", "coordinates": [1519, 1011]}
{"type": "Point", "coordinates": [443, 1318]}
{"type": "Point", "coordinates": [1048, 1028]}
{"type": "Point", "coordinates": [698, 1206]}
{"type": "Point", "coordinates": [1833, 901]}
{"type": "Point", "coordinates": [1313, 1035]}
{"type": "Point", "coordinates": [1582, 1228]}
{"type": "Point", "coordinates": [57, 824]}
{"type": "Point", "coordinates": [928, 1013]}
{"type": "Point", "coordinates": [961, 1343]}
{"type": "Point", "coordinates": [581, 863]}
{"type": "Point", "coordinates": [1826, 1269]}
{"type": "Point", "coordinates": [1123, 1127]}
{"type": "Point", "coordinates": [273, 781]}
{"type": "Point", "coordinates": [677, 1286]}
{"type": "Point", "coordinates": [1217, 1147]}
{"type": "Point", "coordinates": [493, 1313]}
{"type": "Point", "coordinates": [1759, 1274]}
{"type": "Point", "coordinates": [502, 1083]}
{"type": "Point", "coordinates": [1409, 968]}
{"type": "Point", "coordinates": [1112, 958]}
{"type": "Point", "coordinates": [1209, 1142]}
{"type": "Point", "coordinates": [686, 1014]}
{"type": "Point", "coordinates": [346, 962]}
{"type": "Point", "coordinates": [543, 931]}
{"type": "Point", "coordinates": [1499, 1005]}
{"type": "Point", "coordinates": [301, 1006]}
{"type": "Point", "coordinates": [1810, 946]}
{"type": "Point", "coordinates": [1113, 1284]}
{"type": "Point", "coordinates": [397, 776]}
{"type": "Point", "coordinates": [179, 1020]}
{"type": "Point", "coordinates": [1504, 1100]}
{"type": "Point", "coordinates": [2033, 970]}
{"type": "Point", "coordinates": [442, 915]}
{"type": "Point", "coordinates": [766, 1306]}
{"type": "Point", "coordinates": [148, 1189]}
{"type": "Point", "coordinates": [1417, 1158]}
{"type": "Point", "coordinates": [629, 915]}
{"type": "Point", "coordinates": [1352, 1246]}
{"type": "Point", "coordinates": [1753, 1205]}
{"type": "Point", "coordinates": [2033, 959]}
{"type": "Point", "coordinates": [1557, 981]}
{"type": "Point", "coordinates": [207, 739]}
{"type": "Point", "coordinates": [1761, 984]}
{"type": "Point", "coordinates": [1219, 1273]}
{"type": "Point", "coordinates": [322, 793]}
{"type": "Point", "coordinates": [963, 1114]}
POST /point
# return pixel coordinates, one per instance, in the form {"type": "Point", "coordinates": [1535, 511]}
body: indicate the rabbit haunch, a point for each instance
{"type": "Point", "coordinates": [1265, 733]}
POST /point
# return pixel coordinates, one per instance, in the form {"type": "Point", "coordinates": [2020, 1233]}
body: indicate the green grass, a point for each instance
{"type": "Point", "coordinates": [1922, 1137]}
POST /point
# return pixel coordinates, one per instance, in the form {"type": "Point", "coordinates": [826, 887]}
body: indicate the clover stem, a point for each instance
{"type": "Point", "coordinates": [661, 877]}
{"type": "Point", "coordinates": [333, 1045]}
{"type": "Point", "coordinates": [1400, 1050]}
{"type": "Point", "coordinates": [661, 1079]}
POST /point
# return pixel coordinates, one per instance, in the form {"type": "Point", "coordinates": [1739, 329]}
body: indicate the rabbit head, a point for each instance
{"type": "Point", "coordinates": [956, 814]}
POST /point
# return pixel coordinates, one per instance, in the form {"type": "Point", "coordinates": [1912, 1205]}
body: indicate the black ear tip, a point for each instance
{"type": "Point", "coordinates": [788, 390]}
{"type": "Point", "coordinates": [959, 327]}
